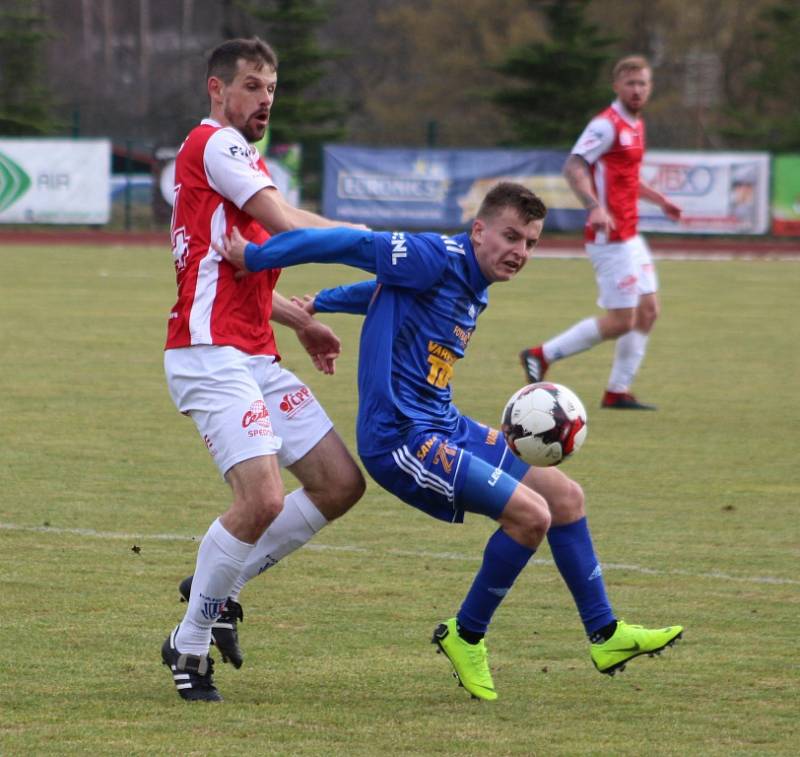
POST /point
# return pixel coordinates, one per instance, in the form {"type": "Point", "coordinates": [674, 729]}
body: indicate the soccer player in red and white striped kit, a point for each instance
{"type": "Point", "coordinates": [603, 172]}
{"type": "Point", "coordinates": [223, 368]}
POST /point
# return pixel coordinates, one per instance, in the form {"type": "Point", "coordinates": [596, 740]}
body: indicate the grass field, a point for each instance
{"type": "Point", "coordinates": [694, 511]}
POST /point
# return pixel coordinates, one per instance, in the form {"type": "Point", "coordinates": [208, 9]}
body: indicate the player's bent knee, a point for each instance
{"type": "Point", "coordinates": [337, 494]}
{"type": "Point", "coordinates": [568, 504]}
{"type": "Point", "coordinates": [261, 508]}
{"type": "Point", "coordinates": [353, 485]}
{"type": "Point", "coordinates": [617, 323]}
{"type": "Point", "coordinates": [620, 328]}
{"type": "Point", "coordinates": [526, 518]}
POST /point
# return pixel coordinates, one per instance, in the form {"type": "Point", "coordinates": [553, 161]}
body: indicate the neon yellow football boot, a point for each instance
{"type": "Point", "coordinates": [631, 641]}
{"type": "Point", "coordinates": [470, 661]}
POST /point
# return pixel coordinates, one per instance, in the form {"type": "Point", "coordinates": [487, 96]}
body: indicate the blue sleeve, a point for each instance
{"type": "Point", "coordinates": [411, 261]}
{"type": "Point", "coordinates": [339, 244]}
{"type": "Point", "coordinates": [349, 298]}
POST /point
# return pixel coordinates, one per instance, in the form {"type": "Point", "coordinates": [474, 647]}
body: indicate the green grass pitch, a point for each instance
{"type": "Point", "coordinates": [104, 489]}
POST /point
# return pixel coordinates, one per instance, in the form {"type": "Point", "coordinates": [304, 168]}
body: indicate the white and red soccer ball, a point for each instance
{"type": "Point", "coordinates": [544, 423]}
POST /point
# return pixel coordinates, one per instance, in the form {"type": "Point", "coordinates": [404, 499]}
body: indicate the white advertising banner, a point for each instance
{"type": "Point", "coordinates": [718, 192]}
{"type": "Point", "coordinates": [55, 180]}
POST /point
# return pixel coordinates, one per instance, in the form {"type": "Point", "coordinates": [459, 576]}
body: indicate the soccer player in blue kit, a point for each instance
{"type": "Point", "coordinates": [421, 310]}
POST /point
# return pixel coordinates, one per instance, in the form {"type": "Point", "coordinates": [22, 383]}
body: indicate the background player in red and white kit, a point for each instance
{"type": "Point", "coordinates": [603, 172]}
{"type": "Point", "coordinates": [222, 367]}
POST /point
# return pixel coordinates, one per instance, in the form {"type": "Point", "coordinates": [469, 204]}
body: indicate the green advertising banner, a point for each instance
{"type": "Point", "coordinates": [55, 180]}
{"type": "Point", "coordinates": [786, 195]}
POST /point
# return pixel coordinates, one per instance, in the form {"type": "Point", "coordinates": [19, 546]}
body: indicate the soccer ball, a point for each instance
{"type": "Point", "coordinates": [544, 423]}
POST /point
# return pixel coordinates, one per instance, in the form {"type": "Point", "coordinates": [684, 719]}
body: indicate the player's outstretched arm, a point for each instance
{"type": "Point", "coordinates": [352, 247]}
{"type": "Point", "coordinates": [348, 298]}
{"type": "Point", "coordinates": [274, 212]}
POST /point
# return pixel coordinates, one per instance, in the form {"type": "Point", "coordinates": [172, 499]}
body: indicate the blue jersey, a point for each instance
{"type": "Point", "coordinates": [427, 298]}
{"type": "Point", "coordinates": [420, 314]}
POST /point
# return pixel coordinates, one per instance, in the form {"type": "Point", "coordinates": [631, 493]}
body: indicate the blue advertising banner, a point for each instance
{"type": "Point", "coordinates": [438, 189]}
{"type": "Point", "coordinates": [719, 193]}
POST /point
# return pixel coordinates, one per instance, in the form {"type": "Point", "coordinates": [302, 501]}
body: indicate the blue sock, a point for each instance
{"type": "Point", "coordinates": [503, 560]}
{"type": "Point", "coordinates": [574, 556]}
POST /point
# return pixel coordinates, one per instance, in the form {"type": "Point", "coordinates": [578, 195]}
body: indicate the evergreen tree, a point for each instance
{"type": "Point", "coordinates": [301, 114]}
{"type": "Point", "coordinates": [563, 81]}
{"type": "Point", "coordinates": [766, 115]}
{"type": "Point", "coordinates": [24, 101]}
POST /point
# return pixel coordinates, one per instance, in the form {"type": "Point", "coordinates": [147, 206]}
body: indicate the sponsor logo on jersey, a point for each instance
{"type": "Point", "coordinates": [426, 447]}
{"type": "Point", "coordinates": [591, 139]}
{"type": "Point", "coordinates": [445, 456]}
{"type": "Point", "coordinates": [463, 335]}
{"type": "Point", "coordinates": [491, 436]}
{"type": "Point", "coordinates": [452, 246]}
{"type": "Point", "coordinates": [441, 352]}
{"type": "Point", "coordinates": [399, 249]}
{"type": "Point", "coordinates": [626, 137]}
{"type": "Point", "coordinates": [257, 420]}
{"type": "Point", "coordinates": [293, 402]}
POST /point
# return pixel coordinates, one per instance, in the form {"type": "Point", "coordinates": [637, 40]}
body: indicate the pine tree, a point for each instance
{"type": "Point", "coordinates": [563, 81]}
{"type": "Point", "coordinates": [301, 115]}
{"type": "Point", "coordinates": [24, 101]}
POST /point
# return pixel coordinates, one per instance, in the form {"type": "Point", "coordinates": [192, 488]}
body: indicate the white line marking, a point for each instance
{"type": "Point", "coordinates": [91, 533]}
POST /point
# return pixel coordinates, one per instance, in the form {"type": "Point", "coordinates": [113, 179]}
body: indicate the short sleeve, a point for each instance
{"type": "Point", "coordinates": [411, 261]}
{"type": "Point", "coordinates": [596, 140]}
{"type": "Point", "coordinates": [232, 168]}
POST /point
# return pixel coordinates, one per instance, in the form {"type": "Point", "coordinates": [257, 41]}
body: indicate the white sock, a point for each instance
{"type": "Point", "coordinates": [297, 523]}
{"type": "Point", "coordinates": [220, 559]}
{"type": "Point", "coordinates": [577, 338]}
{"type": "Point", "coordinates": [628, 356]}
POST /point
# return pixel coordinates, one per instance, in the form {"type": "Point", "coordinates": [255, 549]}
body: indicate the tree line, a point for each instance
{"type": "Point", "coordinates": [452, 73]}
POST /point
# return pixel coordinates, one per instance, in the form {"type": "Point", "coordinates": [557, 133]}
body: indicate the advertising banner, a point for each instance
{"type": "Point", "coordinates": [55, 181]}
{"type": "Point", "coordinates": [718, 192]}
{"type": "Point", "coordinates": [786, 195]}
{"type": "Point", "coordinates": [437, 189]}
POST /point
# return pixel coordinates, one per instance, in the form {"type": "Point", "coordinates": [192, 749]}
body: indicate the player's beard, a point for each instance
{"type": "Point", "coordinates": [251, 129]}
{"type": "Point", "coordinates": [635, 108]}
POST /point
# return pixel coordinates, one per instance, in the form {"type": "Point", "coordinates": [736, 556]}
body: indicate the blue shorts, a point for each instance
{"type": "Point", "coordinates": [470, 470]}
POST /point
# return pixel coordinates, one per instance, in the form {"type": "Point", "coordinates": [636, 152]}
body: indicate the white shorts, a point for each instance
{"type": "Point", "coordinates": [623, 271]}
{"type": "Point", "coordinates": [244, 405]}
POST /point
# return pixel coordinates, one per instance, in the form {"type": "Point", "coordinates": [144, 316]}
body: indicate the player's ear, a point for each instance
{"type": "Point", "coordinates": [215, 87]}
{"type": "Point", "coordinates": [478, 227]}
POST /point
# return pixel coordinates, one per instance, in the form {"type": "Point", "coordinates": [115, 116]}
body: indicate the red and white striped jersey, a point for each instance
{"type": "Point", "coordinates": [613, 145]}
{"type": "Point", "coordinates": [216, 172]}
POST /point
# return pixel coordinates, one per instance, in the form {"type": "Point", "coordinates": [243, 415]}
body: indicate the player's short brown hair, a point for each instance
{"type": "Point", "coordinates": [509, 194]}
{"type": "Point", "coordinates": [223, 60]}
{"type": "Point", "coordinates": [630, 63]}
